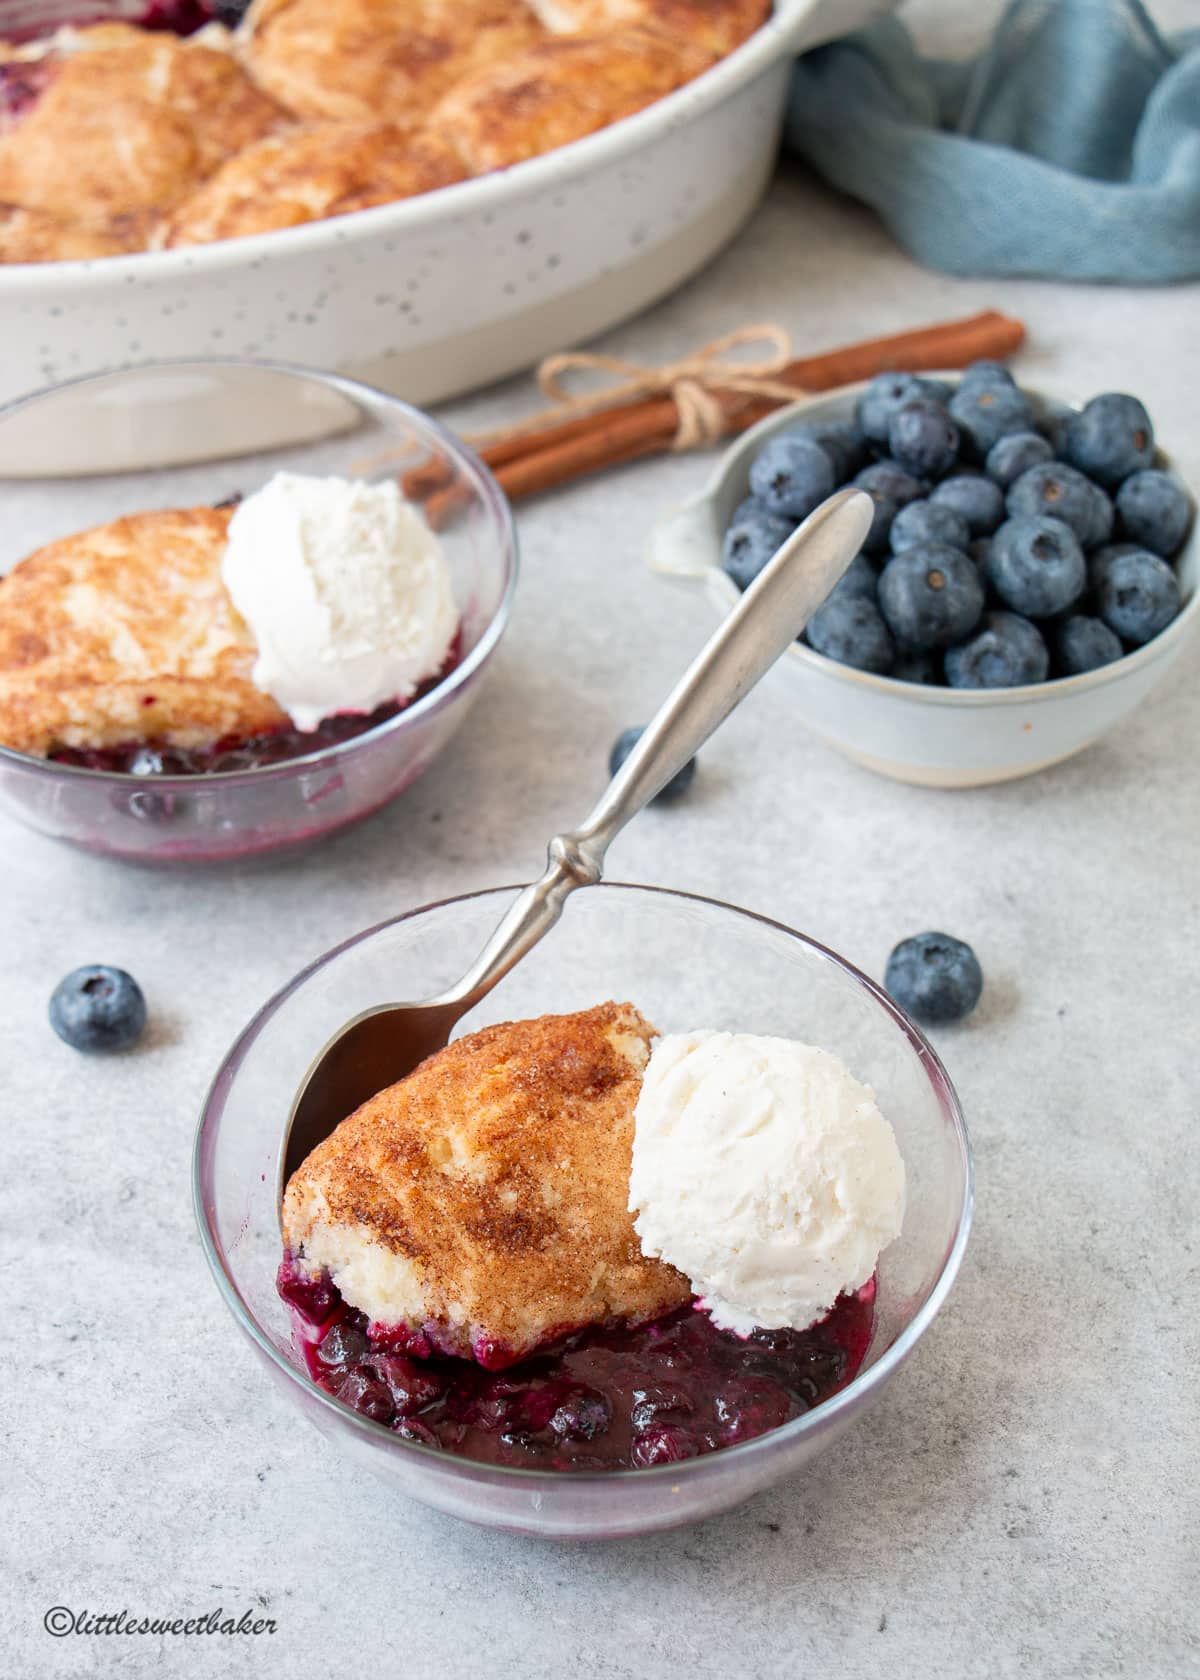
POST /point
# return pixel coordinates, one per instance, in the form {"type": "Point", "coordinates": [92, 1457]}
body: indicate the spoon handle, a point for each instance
{"type": "Point", "coordinates": [766, 621]}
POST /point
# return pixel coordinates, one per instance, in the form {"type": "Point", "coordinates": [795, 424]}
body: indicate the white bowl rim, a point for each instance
{"type": "Point", "coordinates": [1026, 694]}
{"type": "Point", "coordinates": [863, 1385]}
{"type": "Point", "coordinates": [355, 389]}
{"type": "Point", "coordinates": [481, 192]}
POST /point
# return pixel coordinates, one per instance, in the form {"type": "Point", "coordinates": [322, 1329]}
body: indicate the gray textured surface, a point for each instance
{"type": "Point", "coordinates": [1021, 1503]}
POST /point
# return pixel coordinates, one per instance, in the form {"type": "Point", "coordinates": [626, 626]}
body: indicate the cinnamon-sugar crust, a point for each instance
{"type": "Point", "coordinates": [559, 91]}
{"type": "Point", "coordinates": [125, 632]}
{"type": "Point", "coordinates": [372, 60]}
{"type": "Point", "coordinates": [488, 1190]}
{"type": "Point", "coordinates": [307, 174]}
{"type": "Point", "coordinates": [124, 120]}
{"type": "Point", "coordinates": [117, 139]}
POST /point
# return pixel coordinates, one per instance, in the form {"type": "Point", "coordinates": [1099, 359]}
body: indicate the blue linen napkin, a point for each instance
{"type": "Point", "coordinates": [1070, 148]}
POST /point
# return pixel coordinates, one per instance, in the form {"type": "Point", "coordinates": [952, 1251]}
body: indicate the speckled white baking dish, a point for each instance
{"type": "Point", "coordinates": [443, 293]}
{"type": "Point", "coordinates": [937, 737]}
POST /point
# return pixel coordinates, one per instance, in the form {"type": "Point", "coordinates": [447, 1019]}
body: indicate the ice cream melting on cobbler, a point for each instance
{"type": "Point", "coordinates": [463, 1266]}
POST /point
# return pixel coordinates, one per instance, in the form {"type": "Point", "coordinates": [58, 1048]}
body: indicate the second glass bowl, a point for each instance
{"type": "Point", "coordinates": [686, 962]}
{"type": "Point", "coordinates": [186, 433]}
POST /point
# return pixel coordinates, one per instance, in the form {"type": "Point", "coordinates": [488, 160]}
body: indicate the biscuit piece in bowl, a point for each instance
{"type": "Point", "coordinates": [125, 633]}
{"type": "Point", "coordinates": [481, 1205]}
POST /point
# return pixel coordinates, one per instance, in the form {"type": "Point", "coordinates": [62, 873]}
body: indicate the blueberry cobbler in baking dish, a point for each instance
{"type": "Point", "coordinates": [210, 639]}
{"type": "Point", "coordinates": [116, 137]}
{"type": "Point", "coordinates": [566, 1243]}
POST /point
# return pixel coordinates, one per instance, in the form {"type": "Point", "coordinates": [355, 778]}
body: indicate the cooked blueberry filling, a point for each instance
{"type": "Point", "coordinates": [611, 1398]}
{"type": "Point", "coordinates": [21, 86]}
{"type": "Point", "coordinates": [253, 752]}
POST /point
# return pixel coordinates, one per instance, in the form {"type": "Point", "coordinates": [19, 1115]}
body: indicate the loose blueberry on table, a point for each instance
{"type": "Point", "coordinates": [98, 1008]}
{"type": "Point", "coordinates": [936, 977]}
{"type": "Point", "coordinates": [680, 782]}
{"type": "Point", "coordinates": [614, 1398]}
{"type": "Point", "coordinates": [974, 479]}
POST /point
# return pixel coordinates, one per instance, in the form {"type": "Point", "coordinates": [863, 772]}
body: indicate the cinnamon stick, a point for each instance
{"type": "Point", "coordinates": [538, 461]}
{"type": "Point", "coordinates": [569, 449]}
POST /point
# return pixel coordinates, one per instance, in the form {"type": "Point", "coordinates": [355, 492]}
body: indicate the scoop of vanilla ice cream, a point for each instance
{"type": "Point", "coordinates": [345, 589]}
{"type": "Point", "coordinates": [764, 1171]}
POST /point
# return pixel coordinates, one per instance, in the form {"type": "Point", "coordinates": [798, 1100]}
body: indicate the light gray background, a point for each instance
{"type": "Point", "coordinates": [1023, 1501]}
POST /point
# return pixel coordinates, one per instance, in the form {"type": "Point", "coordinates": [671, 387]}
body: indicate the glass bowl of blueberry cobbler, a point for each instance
{"type": "Point", "coordinates": [542, 1446]}
{"type": "Point", "coordinates": [120, 490]}
{"type": "Point", "coordinates": [1030, 577]}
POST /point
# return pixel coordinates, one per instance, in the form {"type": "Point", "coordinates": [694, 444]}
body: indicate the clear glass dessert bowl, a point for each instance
{"type": "Point", "coordinates": [686, 962]}
{"type": "Point", "coordinates": [191, 433]}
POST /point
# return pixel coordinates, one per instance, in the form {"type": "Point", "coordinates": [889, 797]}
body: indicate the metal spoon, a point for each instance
{"type": "Point", "coordinates": [381, 1045]}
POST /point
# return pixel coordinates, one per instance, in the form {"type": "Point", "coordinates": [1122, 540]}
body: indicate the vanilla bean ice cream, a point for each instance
{"type": "Point", "coordinates": [345, 589]}
{"type": "Point", "coordinates": [764, 1171]}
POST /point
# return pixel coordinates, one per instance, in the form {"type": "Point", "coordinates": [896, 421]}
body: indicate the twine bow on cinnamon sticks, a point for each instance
{"type": "Point", "coordinates": [694, 384]}
{"type": "Point", "coordinates": [694, 401]}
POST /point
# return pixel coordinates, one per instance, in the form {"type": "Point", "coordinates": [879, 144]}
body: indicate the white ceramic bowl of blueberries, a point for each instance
{"type": "Point", "coordinates": [1030, 578]}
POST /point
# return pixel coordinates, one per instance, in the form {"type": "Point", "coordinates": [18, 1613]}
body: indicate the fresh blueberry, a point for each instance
{"type": "Point", "coordinates": [849, 628]}
{"type": "Point", "coordinates": [1110, 438]}
{"type": "Point", "coordinates": [922, 438]}
{"type": "Point", "coordinates": [883, 396]}
{"type": "Point", "coordinates": [984, 413]}
{"type": "Point", "coordinates": [753, 537]}
{"type": "Point", "coordinates": [1138, 595]}
{"type": "Point", "coordinates": [1153, 509]}
{"type": "Point", "coordinates": [1100, 559]}
{"type": "Point", "coordinates": [889, 489]}
{"type": "Point", "coordinates": [842, 442]}
{"type": "Point", "coordinates": [891, 480]}
{"type": "Point", "coordinates": [859, 578]}
{"type": "Point", "coordinates": [977, 499]}
{"type": "Point", "coordinates": [1084, 644]}
{"type": "Point", "coordinates": [930, 596]}
{"type": "Point", "coordinates": [98, 1008]}
{"type": "Point", "coordinates": [1036, 566]}
{"type": "Point", "coordinates": [1007, 652]}
{"type": "Point", "coordinates": [928, 522]}
{"type": "Point", "coordinates": [791, 475]}
{"type": "Point", "coordinates": [1053, 427]}
{"type": "Point", "coordinates": [940, 390]}
{"type": "Point", "coordinates": [624, 745]}
{"type": "Point", "coordinates": [935, 977]}
{"type": "Point", "coordinates": [1059, 490]}
{"type": "Point", "coordinates": [915, 668]}
{"type": "Point", "coordinates": [1014, 454]}
{"type": "Point", "coordinates": [884, 512]}
{"type": "Point", "coordinates": [986, 376]}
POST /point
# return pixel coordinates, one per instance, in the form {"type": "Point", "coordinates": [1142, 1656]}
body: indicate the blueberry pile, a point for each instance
{"type": "Point", "coordinates": [1007, 547]}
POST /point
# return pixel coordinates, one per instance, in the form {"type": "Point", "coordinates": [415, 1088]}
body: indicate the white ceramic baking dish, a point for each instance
{"type": "Point", "coordinates": [443, 293]}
